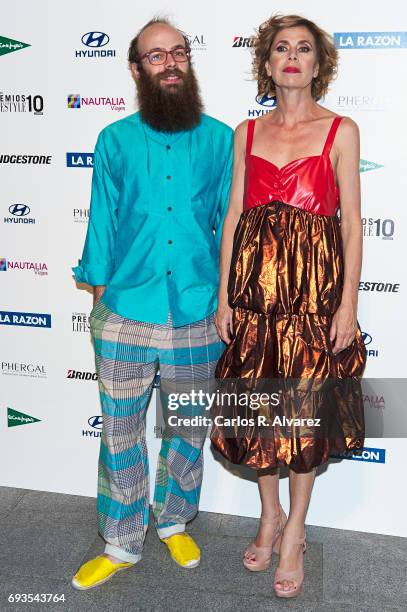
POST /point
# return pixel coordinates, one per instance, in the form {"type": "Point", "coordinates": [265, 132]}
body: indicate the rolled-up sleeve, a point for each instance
{"type": "Point", "coordinates": [96, 265]}
{"type": "Point", "coordinates": [224, 188]}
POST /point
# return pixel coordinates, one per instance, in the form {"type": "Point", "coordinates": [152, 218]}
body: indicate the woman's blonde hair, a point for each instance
{"type": "Point", "coordinates": [327, 54]}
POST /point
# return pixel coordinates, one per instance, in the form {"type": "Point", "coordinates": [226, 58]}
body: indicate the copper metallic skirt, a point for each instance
{"type": "Point", "coordinates": [285, 285]}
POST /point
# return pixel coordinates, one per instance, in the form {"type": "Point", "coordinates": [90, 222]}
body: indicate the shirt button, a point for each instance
{"type": "Point", "coordinates": [168, 177]}
{"type": "Point", "coordinates": [169, 273]}
{"type": "Point", "coordinates": [169, 208]}
{"type": "Point", "coordinates": [170, 242]}
{"type": "Point", "coordinates": [168, 147]}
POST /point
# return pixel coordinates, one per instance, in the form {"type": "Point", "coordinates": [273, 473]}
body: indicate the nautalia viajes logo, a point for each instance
{"type": "Point", "coordinates": [40, 268]}
{"type": "Point", "coordinates": [15, 418]}
{"type": "Point", "coordinates": [77, 101]}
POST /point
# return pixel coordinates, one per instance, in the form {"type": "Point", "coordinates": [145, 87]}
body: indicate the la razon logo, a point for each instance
{"type": "Point", "coordinates": [15, 418]}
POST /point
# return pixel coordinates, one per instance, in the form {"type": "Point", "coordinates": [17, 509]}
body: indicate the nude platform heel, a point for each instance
{"type": "Point", "coordinates": [263, 554]}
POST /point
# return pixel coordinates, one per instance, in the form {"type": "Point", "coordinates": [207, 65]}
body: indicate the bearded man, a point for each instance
{"type": "Point", "coordinates": [160, 192]}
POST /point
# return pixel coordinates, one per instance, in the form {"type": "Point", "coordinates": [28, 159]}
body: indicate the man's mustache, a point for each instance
{"type": "Point", "coordinates": [168, 73]}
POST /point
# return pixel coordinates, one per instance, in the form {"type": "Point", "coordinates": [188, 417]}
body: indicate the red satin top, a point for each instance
{"type": "Point", "coordinates": [307, 183]}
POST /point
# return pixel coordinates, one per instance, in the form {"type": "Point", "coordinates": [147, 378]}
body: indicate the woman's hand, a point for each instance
{"type": "Point", "coordinates": [343, 329]}
{"type": "Point", "coordinates": [223, 322]}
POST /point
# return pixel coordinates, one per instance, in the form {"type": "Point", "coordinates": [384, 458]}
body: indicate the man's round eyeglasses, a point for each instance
{"type": "Point", "coordinates": [159, 56]}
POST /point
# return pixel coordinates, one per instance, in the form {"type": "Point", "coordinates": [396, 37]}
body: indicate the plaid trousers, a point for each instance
{"type": "Point", "coordinates": [128, 354]}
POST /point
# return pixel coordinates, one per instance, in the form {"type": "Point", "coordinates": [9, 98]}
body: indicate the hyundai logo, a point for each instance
{"type": "Point", "coordinates": [96, 421]}
{"type": "Point", "coordinates": [367, 338]}
{"type": "Point", "coordinates": [95, 39]}
{"type": "Point", "coordinates": [266, 101]}
{"type": "Point", "coordinates": [19, 210]}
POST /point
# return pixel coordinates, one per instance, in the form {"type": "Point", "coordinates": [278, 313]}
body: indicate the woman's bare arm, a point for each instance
{"type": "Point", "coordinates": [347, 145]}
{"type": "Point", "coordinates": [224, 312]}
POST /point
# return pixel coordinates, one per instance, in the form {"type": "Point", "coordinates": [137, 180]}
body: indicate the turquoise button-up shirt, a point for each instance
{"type": "Point", "coordinates": [157, 208]}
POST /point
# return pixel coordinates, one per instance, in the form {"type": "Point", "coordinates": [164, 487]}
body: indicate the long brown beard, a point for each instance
{"type": "Point", "coordinates": [172, 108]}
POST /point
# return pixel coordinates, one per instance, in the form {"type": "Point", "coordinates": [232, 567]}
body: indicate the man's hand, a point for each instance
{"type": "Point", "coordinates": [223, 322]}
{"type": "Point", "coordinates": [98, 292]}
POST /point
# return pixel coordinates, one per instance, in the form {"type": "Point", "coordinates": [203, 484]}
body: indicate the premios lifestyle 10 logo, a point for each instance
{"type": "Point", "coordinates": [21, 103]}
{"type": "Point", "coordinates": [75, 101]}
{"type": "Point", "coordinates": [80, 322]}
{"type": "Point", "coordinates": [370, 40]}
{"type": "Point", "coordinates": [378, 228]}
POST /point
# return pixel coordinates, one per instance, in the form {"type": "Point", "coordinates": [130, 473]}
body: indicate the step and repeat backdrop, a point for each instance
{"type": "Point", "coordinates": [63, 77]}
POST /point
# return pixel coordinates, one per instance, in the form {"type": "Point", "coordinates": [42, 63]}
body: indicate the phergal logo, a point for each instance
{"type": "Point", "coordinates": [370, 40]}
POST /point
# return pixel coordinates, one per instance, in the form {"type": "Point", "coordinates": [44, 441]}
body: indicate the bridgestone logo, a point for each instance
{"type": "Point", "coordinates": [82, 375]}
{"type": "Point", "coordinates": [25, 159]}
{"type": "Point", "coordinates": [240, 41]}
{"type": "Point", "coordinates": [381, 287]}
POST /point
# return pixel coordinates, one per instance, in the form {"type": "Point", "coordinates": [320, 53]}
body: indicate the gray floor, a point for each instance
{"type": "Point", "coordinates": [46, 536]}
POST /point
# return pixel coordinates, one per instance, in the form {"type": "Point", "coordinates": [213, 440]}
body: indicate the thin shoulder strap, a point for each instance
{"type": "Point", "coordinates": [249, 137]}
{"type": "Point", "coordinates": [331, 135]}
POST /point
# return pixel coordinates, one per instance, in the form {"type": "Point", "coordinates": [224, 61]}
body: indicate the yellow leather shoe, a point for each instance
{"type": "Point", "coordinates": [95, 572]}
{"type": "Point", "coordinates": [183, 550]}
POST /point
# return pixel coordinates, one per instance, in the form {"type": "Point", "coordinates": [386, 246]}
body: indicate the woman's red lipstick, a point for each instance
{"type": "Point", "coordinates": [291, 69]}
